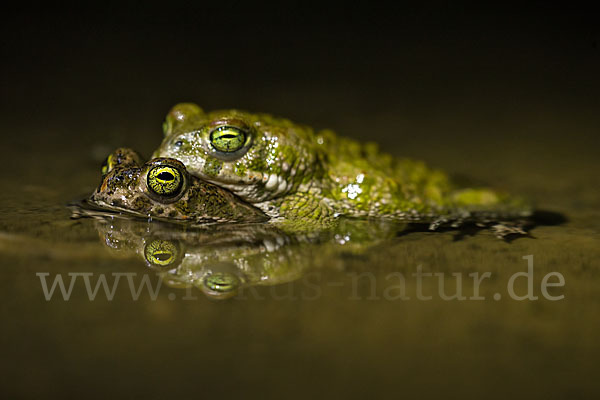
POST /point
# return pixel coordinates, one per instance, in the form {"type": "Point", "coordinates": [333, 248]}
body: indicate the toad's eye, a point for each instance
{"type": "Point", "coordinates": [107, 165]}
{"type": "Point", "coordinates": [165, 180]}
{"type": "Point", "coordinates": [228, 139]}
{"type": "Point", "coordinates": [161, 253]}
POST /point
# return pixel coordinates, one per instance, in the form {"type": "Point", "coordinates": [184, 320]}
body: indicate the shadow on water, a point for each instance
{"type": "Point", "coordinates": [539, 218]}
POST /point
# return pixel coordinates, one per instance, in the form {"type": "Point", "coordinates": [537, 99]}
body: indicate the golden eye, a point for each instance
{"type": "Point", "coordinates": [120, 157]}
{"type": "Point", "coordinates": [107, 165]}
{"type": "Point", "coordinates": [161, 253]}
{"type": "Point", "coordinates": [228, 139]}
{"type": "Point", "coordinates": [165, 180]}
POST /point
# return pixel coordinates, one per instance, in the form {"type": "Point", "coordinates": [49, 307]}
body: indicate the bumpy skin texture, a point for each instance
{"type": "Point", "coordinates": [306, 178]}
{"type": "Point", "coordinates": [125, 187]}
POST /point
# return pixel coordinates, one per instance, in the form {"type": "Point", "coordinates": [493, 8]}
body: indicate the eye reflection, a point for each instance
{"type": "Point", "coordinates": [162, 253]}
{"type": "Point", "coordinates": [221, 282]}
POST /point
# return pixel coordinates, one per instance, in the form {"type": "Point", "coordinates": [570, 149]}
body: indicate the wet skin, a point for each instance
{"type": "Point", "coordinates": [308, 179]}
{"type": "Point", "coordinates": [230, 246]}
{"type": "Point", "coordinates": [220, 258]}
{"type": "Point", "coordinates": [161, 188]}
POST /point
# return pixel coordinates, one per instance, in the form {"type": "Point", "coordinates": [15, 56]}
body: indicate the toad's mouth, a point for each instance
{"type": "Point", "coordinates": [253, 187]}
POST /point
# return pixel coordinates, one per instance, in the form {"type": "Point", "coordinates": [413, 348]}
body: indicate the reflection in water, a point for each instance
{"type": "Point", "coordinates": [223, 259]}
{"type": "Point", "coordinates": [220, 260]}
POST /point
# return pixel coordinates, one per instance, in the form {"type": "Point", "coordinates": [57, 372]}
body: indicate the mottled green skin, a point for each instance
{"type": "Point", "coordinates": [124, 188]}
{"type": "Point", "coordinates": [309, 178]}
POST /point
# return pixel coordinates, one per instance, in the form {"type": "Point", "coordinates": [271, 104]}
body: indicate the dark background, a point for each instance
{"type": "Point", "coordinates": [505, 95]}
{"type": "Point", "coordinates": [113, 72]}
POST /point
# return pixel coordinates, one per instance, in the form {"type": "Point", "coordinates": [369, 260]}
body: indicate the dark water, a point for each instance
{"type": "Point", "coordinates": [502, 99]}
